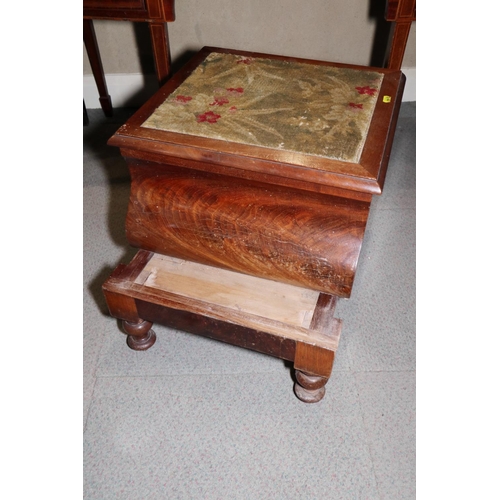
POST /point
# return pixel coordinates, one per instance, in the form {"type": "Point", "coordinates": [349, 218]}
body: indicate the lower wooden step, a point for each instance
{"type": "Point", "coordinates": [282, 320]}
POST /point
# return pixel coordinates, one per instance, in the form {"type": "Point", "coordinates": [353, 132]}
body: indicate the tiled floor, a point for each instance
{"type": "Point", "coordinates": [192, 418]}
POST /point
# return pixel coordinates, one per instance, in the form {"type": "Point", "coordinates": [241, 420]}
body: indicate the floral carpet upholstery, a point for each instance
{"type": "Point", "coordinates": [298, 107]}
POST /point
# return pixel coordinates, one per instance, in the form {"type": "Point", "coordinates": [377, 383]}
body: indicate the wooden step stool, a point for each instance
{"type": "Point", "coordinates": [252, 177]}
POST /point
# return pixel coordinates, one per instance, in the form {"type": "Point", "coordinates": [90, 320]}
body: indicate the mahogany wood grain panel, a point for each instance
{"type": "Point", "coordinates": [323, 313]}
{"type": "Point", "coordinates": [119, 305]}
{"type": "Point", "coordinates": [297, 237]}
{"type": "Point", "coordinates": [313, 360]}
{"type": "Point", "coordinates": [377, 150]}
{"type": "Point", "coordinates": [268, 163]}
{"type": "Point", "coordinates": [234, 334]}
{"type": "Point", "coordinates": [268, 178]}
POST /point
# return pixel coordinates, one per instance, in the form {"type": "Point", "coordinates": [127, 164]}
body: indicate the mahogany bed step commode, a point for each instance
{"type": "Point", "coordinates": [251, 182]}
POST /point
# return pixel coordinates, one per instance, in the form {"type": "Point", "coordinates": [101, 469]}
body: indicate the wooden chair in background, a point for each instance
{"type": "Point", "coordinates": [156, 13]}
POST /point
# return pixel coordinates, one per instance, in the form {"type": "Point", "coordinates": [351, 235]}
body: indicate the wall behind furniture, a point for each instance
{"type": "Point", "coordinates": [347, 31]}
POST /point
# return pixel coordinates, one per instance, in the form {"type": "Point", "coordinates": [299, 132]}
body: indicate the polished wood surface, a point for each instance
{"type": "Point", "coordinates": [289, 235]}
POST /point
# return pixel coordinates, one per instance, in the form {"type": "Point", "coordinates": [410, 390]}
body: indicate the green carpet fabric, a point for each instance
{"type": "Point", "coordinates": [298, 107]}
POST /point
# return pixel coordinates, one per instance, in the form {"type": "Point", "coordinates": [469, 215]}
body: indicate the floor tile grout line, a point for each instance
{"type": "Point", "coordinates": [91, 403]}
{"type": "Point", "coordinates": [366, 438]}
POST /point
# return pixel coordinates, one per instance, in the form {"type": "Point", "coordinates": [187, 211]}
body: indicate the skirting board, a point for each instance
{"type": "Point", "coordinates": [134, 89]}
{"type": "Point", "coordinates": [410, 92]}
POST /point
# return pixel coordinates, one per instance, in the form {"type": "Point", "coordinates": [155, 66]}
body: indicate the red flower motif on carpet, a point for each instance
{"type": "Point", "coordinates": [183, 99]}
{"type": "Point", "coordinates": [219, 101]}
{"type": "Point", "coordinates": [366, 90]}
{"type": "Point", "coordinates": [356, 106]}
{"type": "Point", "coordinates": [246, 60]}
{"type": "Point", "coordinates": [235, 92]}
{"type": "Point", "coordinates": [208, 116]}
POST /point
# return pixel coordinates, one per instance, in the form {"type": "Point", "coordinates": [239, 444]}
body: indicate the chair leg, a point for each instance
{"type": "Point", "coordinates": [398, 45]}
{"type": "Point", "coordinates": [161, 50]}
{"type": "Point", "coordinates": [96, 64]}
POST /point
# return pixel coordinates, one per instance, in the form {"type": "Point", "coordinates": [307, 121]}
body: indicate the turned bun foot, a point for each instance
{"type": "Point", "coordinates": [309, 388]}
{"type": "Point", "coordinates": [140, 336]}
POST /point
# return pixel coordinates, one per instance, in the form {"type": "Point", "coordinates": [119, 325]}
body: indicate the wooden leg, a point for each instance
{"type": "Point", "coordinates": [309, 388]}
{"type": "Point", "coordinates": [96, 64]}
{"type": "Point", "coordinates": [398, 45]}
{"type": "Point", "coordinates": [313, 364]}
{"type": "Point", "coordinates": [140, 336]}
{"type": "Point", "coordinates": [161, 50]}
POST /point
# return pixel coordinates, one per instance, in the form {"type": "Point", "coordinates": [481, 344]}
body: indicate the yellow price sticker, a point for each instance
{"type": "Point", "coordinates": [386, 98]}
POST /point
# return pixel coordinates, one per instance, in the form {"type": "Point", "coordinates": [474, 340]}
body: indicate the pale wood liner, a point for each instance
{"type": "Point", "coordinates": [285, 303]}
{"type": "Point", "coordinates": [173, 296]}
